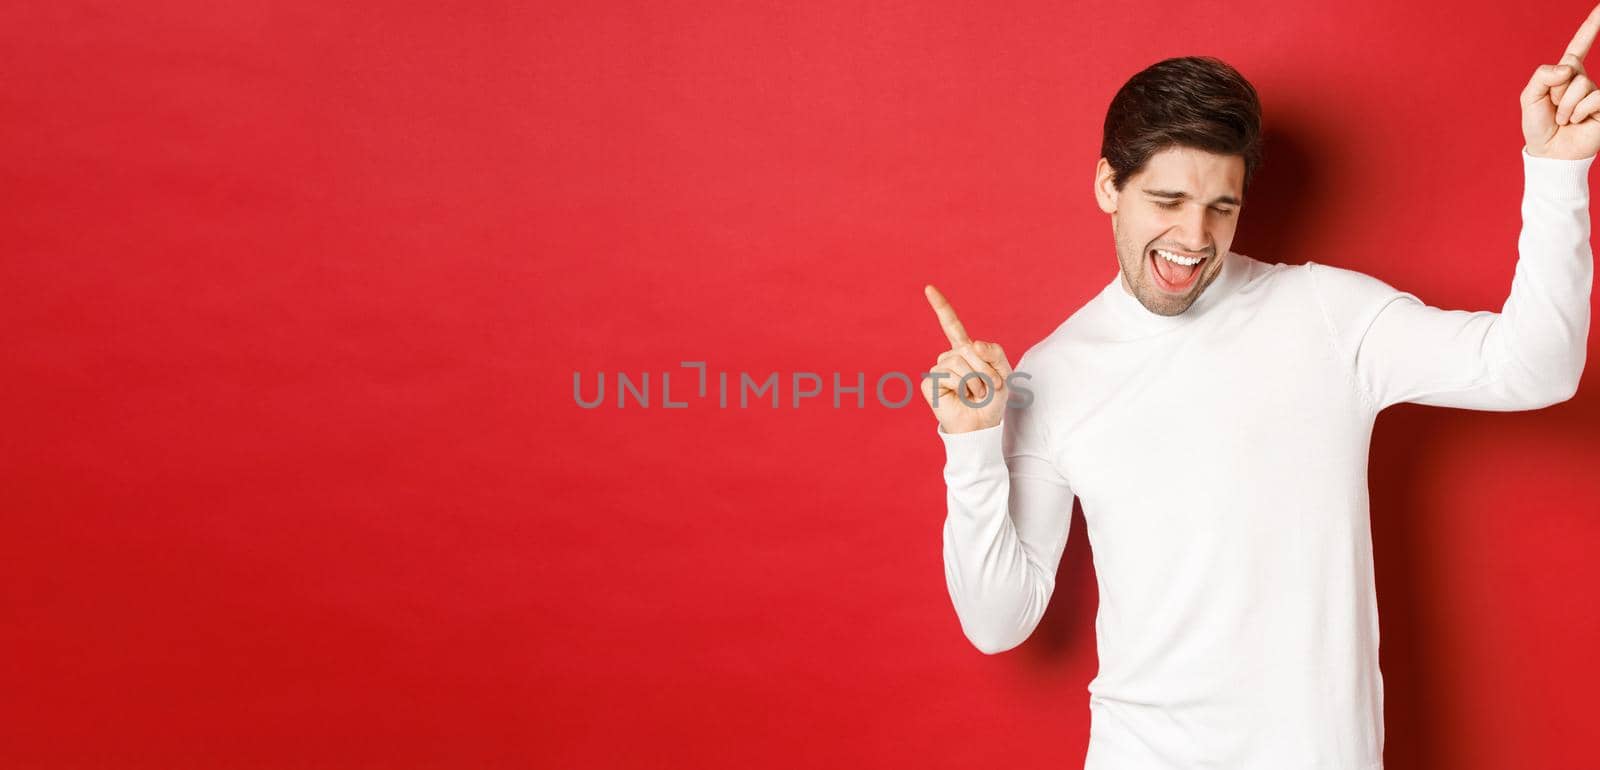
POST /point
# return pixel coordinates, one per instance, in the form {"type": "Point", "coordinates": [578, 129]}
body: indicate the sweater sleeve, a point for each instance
{"type": "Point", "coordinates": [1008, 513]}
{"type": "Point", "coordinates": [1527, 356]}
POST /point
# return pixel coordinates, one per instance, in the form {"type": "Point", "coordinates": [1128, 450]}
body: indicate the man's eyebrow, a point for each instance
{"type": "Point", "coordinates": [1180, 195]}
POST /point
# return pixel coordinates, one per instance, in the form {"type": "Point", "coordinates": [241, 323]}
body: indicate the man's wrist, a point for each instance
{"type": "Point", "coordinates": [972, 452]}
{"type": "Point", "coordinates": [1541, 154]}
{"type": "Point", "coordinates": [1563, 177]}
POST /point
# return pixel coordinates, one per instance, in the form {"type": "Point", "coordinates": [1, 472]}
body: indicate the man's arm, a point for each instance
{"type": "Point", "coordinates": [1009, 510]}
{"type": "Point", "coordinates": [1531, 353]}
{"type": "Point", "coordinates": [1528, 355]}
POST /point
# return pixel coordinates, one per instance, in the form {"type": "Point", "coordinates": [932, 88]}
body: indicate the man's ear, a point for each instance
{"type": "Point", "coordinates": [1105, 192]}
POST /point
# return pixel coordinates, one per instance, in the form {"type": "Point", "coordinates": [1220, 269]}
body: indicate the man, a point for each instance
{"type": "Point", "coordinates": [1213, 413]}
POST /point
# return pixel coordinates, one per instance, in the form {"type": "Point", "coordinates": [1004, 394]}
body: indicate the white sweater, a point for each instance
{"type": "Point", "coordinates": [1221, 458]}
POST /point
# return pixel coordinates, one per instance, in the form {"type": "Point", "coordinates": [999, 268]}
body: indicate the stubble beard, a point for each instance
{"type": "Point", "coordinates": [1136, 276]}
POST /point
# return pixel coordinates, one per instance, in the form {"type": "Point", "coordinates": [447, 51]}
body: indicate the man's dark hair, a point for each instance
{"type": "Point", "coordinates": [1194, 101]}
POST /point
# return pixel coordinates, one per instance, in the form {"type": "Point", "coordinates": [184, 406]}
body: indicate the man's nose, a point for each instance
{"type": "Point", "coordinates": [1191, 232]}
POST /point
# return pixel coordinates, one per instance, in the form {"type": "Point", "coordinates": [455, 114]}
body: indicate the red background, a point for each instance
{"type": "Point", "coordinates": [294, 295]}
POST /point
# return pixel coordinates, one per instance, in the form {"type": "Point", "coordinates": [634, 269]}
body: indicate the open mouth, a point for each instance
{"type": "Point", "coordinates": [1175, 271]}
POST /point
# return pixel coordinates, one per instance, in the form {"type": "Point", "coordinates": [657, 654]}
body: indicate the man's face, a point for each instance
{"type": "Point", "coordinates": [1181, 207]}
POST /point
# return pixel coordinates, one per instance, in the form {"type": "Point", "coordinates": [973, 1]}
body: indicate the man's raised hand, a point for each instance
{"type": "Point", "coordinates": [1560, 106]}
{"type": "Point", "coordinates": [981, 402]}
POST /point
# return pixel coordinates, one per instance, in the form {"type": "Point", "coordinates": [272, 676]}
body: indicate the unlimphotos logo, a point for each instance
{"type": "Point", "coordinates": [802, 386]}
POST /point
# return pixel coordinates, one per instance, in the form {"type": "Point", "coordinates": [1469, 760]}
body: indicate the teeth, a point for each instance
{"type": "Point", "coordinates": [1178, 258]}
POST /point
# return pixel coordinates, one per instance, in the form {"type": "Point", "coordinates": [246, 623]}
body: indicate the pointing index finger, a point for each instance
{"type": "Point", "coordinates": [953, 330]}
{"type": "Point", "coordinates": [1579, 47]}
